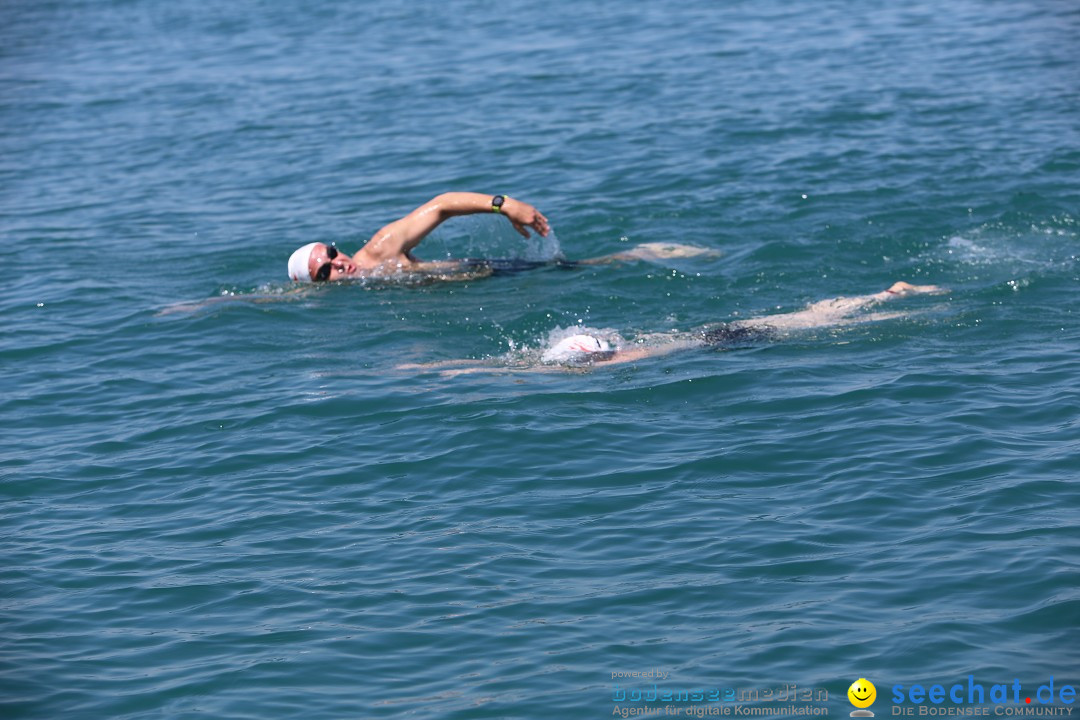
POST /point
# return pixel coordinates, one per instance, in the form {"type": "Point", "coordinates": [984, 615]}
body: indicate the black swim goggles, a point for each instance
{"type": "Point", "coordinates": [323, 273]}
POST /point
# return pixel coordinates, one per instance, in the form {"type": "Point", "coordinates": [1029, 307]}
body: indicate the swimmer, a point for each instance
{"type": "Point", "coordinates": [597, 348]}
{"type": "Point", "coordinates": [389, 253]}
{"type": "Point", "coordinates": [390, 250]}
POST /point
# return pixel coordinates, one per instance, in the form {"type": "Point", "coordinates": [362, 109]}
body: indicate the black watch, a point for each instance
{"type": "Point", "coordinates": [497, 203]}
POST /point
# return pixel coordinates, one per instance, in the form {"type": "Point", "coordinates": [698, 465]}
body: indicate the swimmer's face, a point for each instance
{"type": "Point", "coordinates": [327, 263]}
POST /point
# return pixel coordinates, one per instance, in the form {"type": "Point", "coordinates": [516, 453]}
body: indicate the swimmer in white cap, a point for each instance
{"type": "Point", "coordinates": [585, 349]}
{"type": "Point", "coordinates": [390, 249]}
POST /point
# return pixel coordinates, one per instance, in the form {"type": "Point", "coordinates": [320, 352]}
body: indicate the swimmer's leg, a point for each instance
{"type": "Point", "coordinates": [650, 252]}
{"type": "Point", "coordinates": [848, 305]}
{"type": "Point", "coordinates": [902, 288]}
{"type": "Point", "coordinates": [835, 311]}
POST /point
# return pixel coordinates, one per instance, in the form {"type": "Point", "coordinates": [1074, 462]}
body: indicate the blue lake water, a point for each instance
{"type": "Point", "coordinates": [244, 509]}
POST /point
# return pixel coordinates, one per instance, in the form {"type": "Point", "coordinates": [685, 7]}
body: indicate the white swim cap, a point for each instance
{"type": "Point", "coordinates": [298, 263]}
{"type": "Point", "coordinates": [578, 349]}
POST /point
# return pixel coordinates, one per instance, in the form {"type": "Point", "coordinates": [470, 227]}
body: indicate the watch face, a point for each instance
{"type": "Point", "coordinates": [497, 201]}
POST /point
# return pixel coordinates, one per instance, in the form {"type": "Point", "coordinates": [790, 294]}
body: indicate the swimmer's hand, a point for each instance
{"type": "Point", "coordinates": [522, 216]}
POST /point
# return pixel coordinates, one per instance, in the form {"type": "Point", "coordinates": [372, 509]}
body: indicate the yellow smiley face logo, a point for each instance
{"type": "Point", "coordinates": [862, 693]}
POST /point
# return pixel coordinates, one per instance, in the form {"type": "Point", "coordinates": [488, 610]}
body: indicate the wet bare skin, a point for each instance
{"type": "Point", "coordinates": [390, 249]}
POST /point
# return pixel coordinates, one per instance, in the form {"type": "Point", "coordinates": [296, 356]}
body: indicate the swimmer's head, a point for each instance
{"type": "Point", "coordinates": [319, 262]}
{"type": "Point", "coordinates": [578, 349]}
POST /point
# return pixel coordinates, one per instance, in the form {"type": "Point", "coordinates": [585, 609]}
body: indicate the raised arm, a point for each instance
{"type": "Point", "coordinates": [396, 240]}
